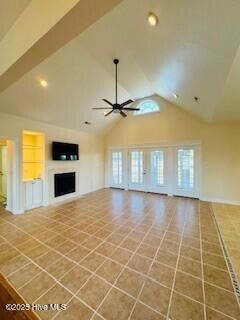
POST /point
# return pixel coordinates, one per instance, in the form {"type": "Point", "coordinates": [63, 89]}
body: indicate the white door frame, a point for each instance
{"type": "Point", "coordinates": [125, 150]}
{"type": "Point", "coordinates": [13, 190]}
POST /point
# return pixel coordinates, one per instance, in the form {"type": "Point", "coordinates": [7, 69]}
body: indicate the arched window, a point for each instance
{"type": "Point", "coordinates": [147, 106]}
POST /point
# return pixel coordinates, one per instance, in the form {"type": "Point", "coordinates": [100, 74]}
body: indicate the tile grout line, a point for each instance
{"type": "Point", "coordinates": [104, 256]}
{"type": "Point", "coordinates": [231, 271]}
{"type": "Point", "coordinates": [45, 244]}
{"type": "Point", "coordinates": [94, 272]}
{"type": "Point", "coordinates": [68, 270]}
{"type": "Point", "coordinates": [64, 274]}
{"type": "Point", "coordinates": [137, 272]}
{"type": "Point", "coordinates": [103, 241]}
{"type": "Point", "coordinates": [154, 258]}
{"type": "Point", "coordinates": [202, 266]}
{"type": "Point", "coordinates": [123, 270]}
{"type": "Point", "coordinates": [124, 267]}
{"type": "Point", "coordinates": [175, 273]}
{"type": "Point", "coordinates": [57, 233]}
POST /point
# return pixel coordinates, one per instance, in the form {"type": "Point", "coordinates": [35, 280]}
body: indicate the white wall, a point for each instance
{"type": "Point", "coordinates": [90, 167]}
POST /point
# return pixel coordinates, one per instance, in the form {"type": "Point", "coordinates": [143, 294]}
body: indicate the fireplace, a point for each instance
{"type": "Point", "coordinates": [64, 183]}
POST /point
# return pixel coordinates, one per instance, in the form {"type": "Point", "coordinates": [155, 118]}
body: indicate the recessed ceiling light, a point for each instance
{"type": "Point", "coordinates": [44, 83]}
{"type": "Point", "coordinates": [176, 96]}
{"type": "Point", "coordinates": [152, 19]}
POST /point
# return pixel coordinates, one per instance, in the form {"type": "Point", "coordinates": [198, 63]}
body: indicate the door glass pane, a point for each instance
{"type": "Point", "coordinates": [137, 167]}
{"type": "Point", "coordinates": [117, 167]}
{"type": "Point", "coordinates": [186, 169]}
{"type": "Point", "coordinates": [157, 168]}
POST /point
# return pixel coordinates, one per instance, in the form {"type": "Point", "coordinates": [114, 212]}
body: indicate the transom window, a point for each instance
{"type": "Point", "coordinates": [147, 106]}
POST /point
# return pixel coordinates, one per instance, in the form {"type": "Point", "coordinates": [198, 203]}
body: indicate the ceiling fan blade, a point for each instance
{"type": "Point", "coordinates": [101, 108]}
{"type": "Point", "coordinates": [126, 103]}
{"type": "Point", "coordinates": [108, 102]}
{"type": "Point", "coordinates": [123, 114]}
{"type": "Point", "coordinates": [107, 114]}
{"type": "Point", "coordinates": [132, 109]}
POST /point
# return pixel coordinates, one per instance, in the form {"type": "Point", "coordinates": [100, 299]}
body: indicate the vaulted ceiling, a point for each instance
{"type": "Point", "coordinates": [10, 10]}
{"type": "Point", "coordinates": [193, 51]}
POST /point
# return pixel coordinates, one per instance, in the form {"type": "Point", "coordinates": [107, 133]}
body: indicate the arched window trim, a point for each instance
{"type": "Point", "coordinates": [141, 105]}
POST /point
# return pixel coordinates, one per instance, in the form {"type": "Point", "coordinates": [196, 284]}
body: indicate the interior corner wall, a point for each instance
{"type": "Point", "coordinates": [220, 178]}
{"type": "Point", "coordinates": [90, 166]}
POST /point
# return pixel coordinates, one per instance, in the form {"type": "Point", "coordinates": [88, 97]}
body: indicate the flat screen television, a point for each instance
{"type": "Point", "coordinates": [64, 151]}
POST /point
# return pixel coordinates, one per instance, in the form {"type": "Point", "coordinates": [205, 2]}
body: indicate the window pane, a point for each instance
{"type": "Point", "coordinates": [147, 107]}
{"type": "Point", "coordinates": [136, 166]}
{"type": "Point", "coordinates": [186, 169]}
{"type": "Point", "coordinates": [117, 168]}
{"type": "Point", "coordinates": [157, 168]}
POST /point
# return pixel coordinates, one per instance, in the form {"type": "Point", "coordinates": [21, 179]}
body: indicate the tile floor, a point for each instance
{"type": "Point", "coordinates": [228, 219]}
{"type": "Point", "coordinates": [119, 255]}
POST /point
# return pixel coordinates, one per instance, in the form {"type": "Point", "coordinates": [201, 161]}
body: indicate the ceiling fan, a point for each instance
{"type": "Point", "coordinates": [117, 107]}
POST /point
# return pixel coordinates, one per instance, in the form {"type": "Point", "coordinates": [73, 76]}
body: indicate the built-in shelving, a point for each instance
{"type": "Point", "coordinates": [33, 155]}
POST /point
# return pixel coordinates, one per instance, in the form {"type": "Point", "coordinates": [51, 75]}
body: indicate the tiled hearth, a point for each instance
{"type": "Point", "coordinates": [120, 255]}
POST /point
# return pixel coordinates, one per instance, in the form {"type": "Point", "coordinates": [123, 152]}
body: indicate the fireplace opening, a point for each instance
{"type": "Point", "coordinates": [64, 183]}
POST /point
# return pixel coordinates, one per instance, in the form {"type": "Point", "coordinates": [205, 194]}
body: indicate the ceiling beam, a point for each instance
{"type": "Point", "coordinates": [43, 28]}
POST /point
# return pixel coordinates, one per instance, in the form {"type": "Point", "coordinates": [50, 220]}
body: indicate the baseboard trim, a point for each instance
{"type": "Point", "coordinates": [62, 201]}
{"type": "Point", "coordinates": [223, 201]}
{"type": "Point", "coordinates": [95, 189]}
{"type": "Point", "coordinates": [74, 197]}
{"type": "Point", "coordinates": [16, 212]}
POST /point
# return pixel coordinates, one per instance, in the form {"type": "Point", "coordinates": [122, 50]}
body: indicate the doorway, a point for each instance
{"type": "Point", "coordinates": [3, 173]}
{"type": "Point", "coordinates": [172, 170]}
{"type": "Point", "coordinates": [9, 190]}
{"type": "Point", "coordinates": [148, 170]}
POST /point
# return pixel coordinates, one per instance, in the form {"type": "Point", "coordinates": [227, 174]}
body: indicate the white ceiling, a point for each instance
{"type": "Point", "coordinates": [190, 52]}
{"type": "Point", "coordinates": [10, 10]}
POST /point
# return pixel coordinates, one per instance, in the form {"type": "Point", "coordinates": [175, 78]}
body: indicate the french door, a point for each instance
{"type": "Point", "coordinates": [117, 169]}
{"type": "Point", "coordinates": [186, 177]}
{"type": "Point", "coordinates": [166, 170]}
{"type": "Point", "coordinates": [148, 170]}
{"type": "Point", "coordinates": [157, 171]}
{"type": "Point", "coordinates": [137, 170]}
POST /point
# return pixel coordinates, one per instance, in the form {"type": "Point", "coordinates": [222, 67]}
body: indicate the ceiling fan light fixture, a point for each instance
{"type": "Point", "coordinates": [117, 107]}
{"type": "Point", "coordinates": [152, 19]}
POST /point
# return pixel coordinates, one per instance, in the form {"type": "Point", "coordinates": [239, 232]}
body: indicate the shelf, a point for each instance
{"type": "Point", "coordinates": [32, 161]}
{"type": "Point", "coordinates": [32, 179]}
{"type": "Point", "coordinates": [33, 155]}
{"type": "Point", "coordinates": [29, 146]}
